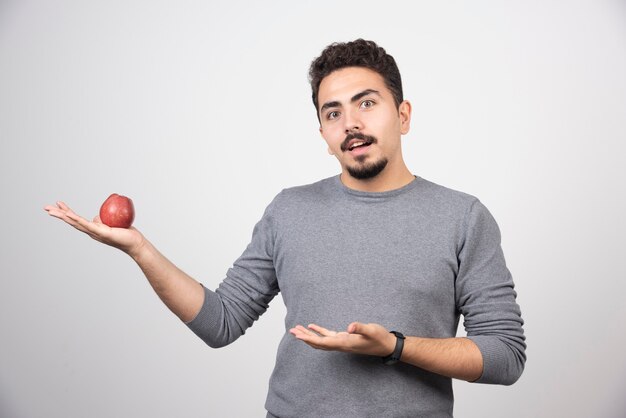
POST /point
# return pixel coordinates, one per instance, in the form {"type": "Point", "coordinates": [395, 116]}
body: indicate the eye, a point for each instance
{"type": "Point", "coordinates": [367, 104]}
{"type": "Point", "coordinates": [332, 115]}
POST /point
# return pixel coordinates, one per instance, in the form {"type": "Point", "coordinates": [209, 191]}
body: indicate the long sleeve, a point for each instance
{"type": "Point", "coordinates": [244, 294]}
{"type": "Point", "coordinates": [487, 300]}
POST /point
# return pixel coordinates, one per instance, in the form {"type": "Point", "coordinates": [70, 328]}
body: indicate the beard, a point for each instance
{"type": "Point", "coordinates": [363, 171]}
{"type": "Point", "coordinates": [366, 171]}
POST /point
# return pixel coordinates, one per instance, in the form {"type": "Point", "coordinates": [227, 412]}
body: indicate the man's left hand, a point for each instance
{"type": "Point", "coordinates": [370, 339]}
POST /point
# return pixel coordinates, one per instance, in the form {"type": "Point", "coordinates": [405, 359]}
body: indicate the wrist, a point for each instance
{"type": "Point", "coordinates": [390, 344]}
{"type": "Point", "coordinates": [394, 357]}
{"type": "Point", "coordinates": [139, 250]}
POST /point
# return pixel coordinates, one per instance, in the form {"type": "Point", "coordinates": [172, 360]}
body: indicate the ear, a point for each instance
{"type": "Point", "coordinates": [405, 117]}
{"type": "Point", "coordinates": [330, 152]}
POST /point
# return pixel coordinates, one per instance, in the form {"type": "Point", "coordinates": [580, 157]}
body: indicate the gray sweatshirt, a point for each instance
{"type": "Point", "coordinates": [412, 259]}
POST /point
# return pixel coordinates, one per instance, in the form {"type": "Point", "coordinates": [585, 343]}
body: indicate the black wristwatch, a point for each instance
{"type": "Point", "coordinates": [394, 357]}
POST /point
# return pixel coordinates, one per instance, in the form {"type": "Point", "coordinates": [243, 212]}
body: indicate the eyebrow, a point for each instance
{"type": "Point", "coordinates": [352, 100]}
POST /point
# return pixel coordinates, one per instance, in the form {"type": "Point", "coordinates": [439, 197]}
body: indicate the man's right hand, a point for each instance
{"type": "Point", "coordinates": [128, 240]}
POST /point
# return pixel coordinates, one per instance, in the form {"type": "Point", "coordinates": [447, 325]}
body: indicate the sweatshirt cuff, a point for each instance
{"type": "Point", "coordinates": [499, 363]}
{"type": "Point", "coordinates": [206, 321]}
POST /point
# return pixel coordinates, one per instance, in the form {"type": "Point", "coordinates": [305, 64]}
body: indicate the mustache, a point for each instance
{"type": "Point", "coordinates": [358, 135]}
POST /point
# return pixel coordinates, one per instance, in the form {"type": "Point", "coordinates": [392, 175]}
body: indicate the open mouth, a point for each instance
{"type": "Point", "coordinates": [359, 144]}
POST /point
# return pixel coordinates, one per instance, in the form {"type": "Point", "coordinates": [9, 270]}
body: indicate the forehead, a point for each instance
{"type": "Point", "coordinates": [341, 84]}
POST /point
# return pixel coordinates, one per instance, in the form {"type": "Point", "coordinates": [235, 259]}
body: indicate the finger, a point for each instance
{"type": "Point", "coordinates": [92, 229]}
{"type": "Point", "coordinates": [303, 334]}
{"type": "Point", "coordinates": [322, 331]}
{"type": "Point", "coordinates": [306, 331]}
{"type": "Point", "coordinates": [309, 336]}
{"type": "Point", "coordinates": [54, 211]}
{"type": "Point", "coordinates": [315, 341]}
{"type": "Point", "coordinates": [79, 222]}
{"type": "Point", "coordinates": [63, 212]}
{"type": "Point", "coordinates": [317, 347]}
{"type": "Point", "coordinates": [313, 345]}
{"type": "Point", "coordinates": [298, 331]}
{"type": "Point", "coordinates": [66, 210]}
{"type": "Point", "coordinates": [72, 215]}
{"type": "Point", "coordinates": [62, 205]}
{"type": "Point", "coordinates": [294, 331]}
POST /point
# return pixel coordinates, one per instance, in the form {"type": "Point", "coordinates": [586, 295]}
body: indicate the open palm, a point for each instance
{"type": "Point", "coordinates": [128, 240]}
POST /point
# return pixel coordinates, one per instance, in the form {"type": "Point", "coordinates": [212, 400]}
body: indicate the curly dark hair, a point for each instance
{"type": "Point", "coordinates": [358, 53]}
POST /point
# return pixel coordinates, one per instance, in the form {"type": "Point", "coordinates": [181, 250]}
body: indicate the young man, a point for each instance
{"type": "Point", "coordinates": [388, 256]}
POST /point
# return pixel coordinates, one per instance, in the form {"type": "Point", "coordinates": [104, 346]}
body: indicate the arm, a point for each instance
{"type": "Point", "coordinates": [181, 294]}
{"type": "Point", "coordinates": [459, 358]}
{"type": "Point", "coordinates": [486, 298]}
{"type": "Point", "coordinates": [219, 317]}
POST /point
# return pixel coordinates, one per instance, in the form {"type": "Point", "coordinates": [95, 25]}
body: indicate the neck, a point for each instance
{"type": "Point", "coordinates": [388, 179]}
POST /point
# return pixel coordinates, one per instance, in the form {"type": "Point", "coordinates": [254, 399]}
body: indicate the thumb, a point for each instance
{"type": "Point", "coordinates": [357, 328]}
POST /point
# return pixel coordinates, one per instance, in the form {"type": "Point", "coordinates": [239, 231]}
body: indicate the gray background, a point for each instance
{"type": "Point", "coordinates": [200, 111]}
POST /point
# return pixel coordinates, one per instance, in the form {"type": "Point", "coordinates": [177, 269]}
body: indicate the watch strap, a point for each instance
{"type": "Point", "coordinates": [394, 357]}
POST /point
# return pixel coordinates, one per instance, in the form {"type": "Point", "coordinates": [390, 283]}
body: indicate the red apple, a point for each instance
{"type": "Point", "coordinates": [117, 211]}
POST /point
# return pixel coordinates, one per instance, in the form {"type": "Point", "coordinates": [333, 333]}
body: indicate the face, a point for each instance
{"type": "Point", "coordinates": [361, 123]}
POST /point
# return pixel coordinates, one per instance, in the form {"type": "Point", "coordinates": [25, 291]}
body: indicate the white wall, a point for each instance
{"type": "Point", "coordinates": [200, 111]}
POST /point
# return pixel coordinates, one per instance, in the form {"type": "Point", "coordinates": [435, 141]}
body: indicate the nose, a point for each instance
{"type": "Point", "coordinates": [352, 122]}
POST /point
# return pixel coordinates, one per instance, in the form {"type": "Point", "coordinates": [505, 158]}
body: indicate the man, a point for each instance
{"type": "Point", "coordinates": [372, 250]}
